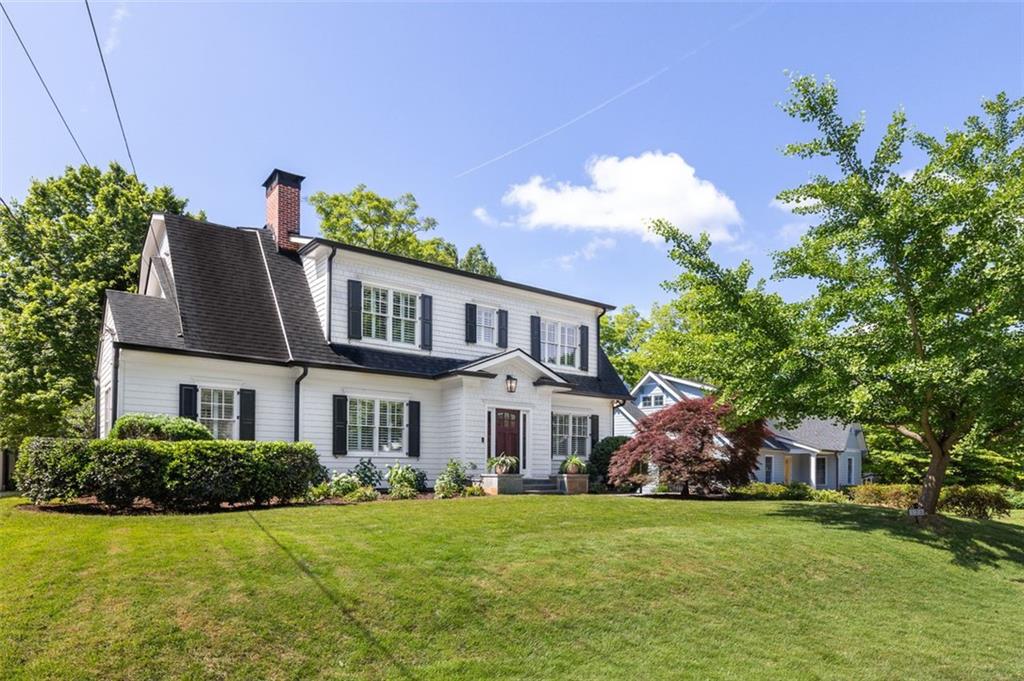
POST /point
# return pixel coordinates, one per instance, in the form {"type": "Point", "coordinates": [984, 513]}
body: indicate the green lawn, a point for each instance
{"type": "Point", "coordinates": [518, 587]}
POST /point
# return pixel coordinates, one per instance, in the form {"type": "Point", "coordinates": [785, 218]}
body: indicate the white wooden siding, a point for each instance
{"type": "Point", "coordinates": [450, 294]}
{"type": "Point", "coordinates": [315, 267]}
{"type": "Point", "coordinates": [106, 371]}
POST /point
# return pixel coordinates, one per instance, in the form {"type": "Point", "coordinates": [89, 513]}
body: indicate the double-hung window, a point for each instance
{"type": "Point", "coordinates": [645, 401]}
{"type": "Point", "coordinates": [769, 464]}
{"type": "Point", "coordinates": [849, 471]}
{"type": "Point", "coordinates": [569, 435]}
{"type": "Point", "coordinates": [376, 425]}
{"type": "Point", "coordinates": [559, 343]}
{"type": "Point", "coordinates": [389, 315]}
{"type": "Point", "coordinates": [658, 400]}
{"type": "Point", "coordinates": [217, 411]}
{"type": "Point", "coordinates": [486, 325]}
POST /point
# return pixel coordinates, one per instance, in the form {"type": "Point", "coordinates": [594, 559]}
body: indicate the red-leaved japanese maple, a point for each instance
{"type": "Point", "coordinates": [683, 442]}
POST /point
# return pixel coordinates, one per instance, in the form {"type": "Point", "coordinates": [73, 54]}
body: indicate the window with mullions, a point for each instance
{"type": "Point", "coordinates": [376, 426]}
{"type": "Point", "coordinates": [559, 343]}
{"type": "Point", "coordinates": [486, 325]}
{"type": "Point", "coordinates": [570, 434]}
{"type": "Point", "coordinates": [217, 412]}
{"type": "Point", "coordinates": [389, 315]}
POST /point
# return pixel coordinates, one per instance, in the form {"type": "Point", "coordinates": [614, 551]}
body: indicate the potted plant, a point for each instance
{"type": "Point", "coordinates": [573, 478]}
{"type": "Point", "coordinates": [504, 477]}
{"type": "Point", "coordinates": [503, 464]}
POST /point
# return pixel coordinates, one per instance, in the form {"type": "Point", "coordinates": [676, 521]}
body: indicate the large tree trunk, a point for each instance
{"type": "Point", "coordinates": [933, 479]}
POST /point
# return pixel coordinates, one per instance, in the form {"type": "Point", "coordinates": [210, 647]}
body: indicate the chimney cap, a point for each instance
{"type": "Point", "coordinates": [278, 176]}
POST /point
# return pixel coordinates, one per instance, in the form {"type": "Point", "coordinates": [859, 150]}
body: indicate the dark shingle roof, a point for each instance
{"type": "Point", "coordinates": [224, 295]}
{"type": "Point", "coordinates": [145, 320]}
{"type": "Point", "coordinates": [233, 293]}
{"type": "Point", "coordinates": [817, 433]}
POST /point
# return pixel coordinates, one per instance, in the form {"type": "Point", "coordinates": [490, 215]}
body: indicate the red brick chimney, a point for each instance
{"type": "Point", "coordinates": [284, 198]}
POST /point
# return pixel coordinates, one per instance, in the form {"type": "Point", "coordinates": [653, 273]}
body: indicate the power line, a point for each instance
{"type": "Point", "coordinates": [110, 87]}
{"type": "Point", "coordinates": [43, 82]}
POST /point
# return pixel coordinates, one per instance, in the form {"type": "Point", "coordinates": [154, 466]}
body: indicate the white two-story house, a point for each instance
{"type": "Point", "coordinates": [823, 454]}
{"type": "Point", "coordinates": [266, 334]}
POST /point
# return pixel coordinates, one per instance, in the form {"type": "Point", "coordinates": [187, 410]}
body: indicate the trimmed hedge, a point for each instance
{"type": "Point", "coordinates": [794, 491]}
{"type": "Point", "coordinates": [51, 468]}
{"type": "Point", "coordinates": [181, 475]}
{"type": "Point", "coordinates": [891, 496]}
{"type": "Point", "coordinates": [158, 427]}
{"type": "Point", "coordinates": [976, 501]}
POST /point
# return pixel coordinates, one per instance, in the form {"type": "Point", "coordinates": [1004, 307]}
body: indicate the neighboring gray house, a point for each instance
{"type": "Point", "coordinates": [823, 454]}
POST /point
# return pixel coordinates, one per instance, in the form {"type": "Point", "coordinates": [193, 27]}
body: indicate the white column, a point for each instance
{"type": "Point", "coordinates": [814, 470]}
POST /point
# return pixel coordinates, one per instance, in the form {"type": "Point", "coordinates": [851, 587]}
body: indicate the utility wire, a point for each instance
{"type": "Point", "coordinates": [110, 87]}
{"type": "Point", "coordinates": [43, 82]}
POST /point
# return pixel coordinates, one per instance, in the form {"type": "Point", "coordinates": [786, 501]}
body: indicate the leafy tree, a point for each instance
{"type": "Point", "coordinates": [681, 441]}
{"type": "Point", "coordinates": [364, 218]}
{"type": "Point", "coordinates": [71, 238]}
{"type": "Point", "coordinates": [475, 260]}
{"type": "Point", "coordinates": [893, 458]}
{"type": "Point", "coordinates": [916, 322]}
{"type": "Point", "coordinates": [622, 334]}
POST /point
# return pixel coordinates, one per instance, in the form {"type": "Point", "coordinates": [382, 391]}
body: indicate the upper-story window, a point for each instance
{"type": "Point", "coordinates": [658, 400]}
{"type": "Point", "coordinates": [486, 325]}
{"type": "Point", "coordinates": [645, 401]}
{"type": "Point", "coordinates": [559, 343]}
{"type": "Point", "coordinates": [389, 315]}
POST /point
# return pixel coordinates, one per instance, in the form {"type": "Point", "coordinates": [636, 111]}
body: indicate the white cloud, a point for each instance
{"type": "Point", "coordinates": [791, 232]}
{"type": "Point", "coordinates": [624, 194]}
{"type": "Point", "coordinates": [481, 214]}
{"type": "Point", "coordinates": [588, 252]}
{"type": "Point", "coordinates": [113, 39]}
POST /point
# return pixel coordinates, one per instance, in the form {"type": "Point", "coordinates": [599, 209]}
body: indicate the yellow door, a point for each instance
{"type": "Point", "coordinates": [785, 469]}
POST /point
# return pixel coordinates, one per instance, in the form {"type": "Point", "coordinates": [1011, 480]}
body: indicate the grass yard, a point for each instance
{"type": "Point", "coordinates": [517, 587]}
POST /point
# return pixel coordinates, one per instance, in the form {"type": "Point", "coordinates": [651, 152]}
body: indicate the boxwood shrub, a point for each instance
{"type": "Point", "coordinates": [183, 475]}
{"type": "Point", "coordinates": [158, 427]}
{"type": "Point", "coordinates": [51, 468]}
{"type": "Point", "coordinates": [794, 491]}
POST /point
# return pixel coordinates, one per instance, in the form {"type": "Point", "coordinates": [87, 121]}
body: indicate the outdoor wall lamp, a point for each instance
{"type": "Point", "coordinates": [511, 382]}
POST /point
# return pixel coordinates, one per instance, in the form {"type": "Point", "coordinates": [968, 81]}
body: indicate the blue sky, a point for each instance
{"type": "Point", "coordinates": [547, 132]}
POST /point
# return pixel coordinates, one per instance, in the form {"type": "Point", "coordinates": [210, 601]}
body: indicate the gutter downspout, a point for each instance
{"type": "Point", "coordinates": [95, 405]}
{"type": "Point", "coordinates": [115, 379]}
{"type": "Point", "coordinates": [298, 392]}
{"type": "Point", "coordinates": [330, 289]}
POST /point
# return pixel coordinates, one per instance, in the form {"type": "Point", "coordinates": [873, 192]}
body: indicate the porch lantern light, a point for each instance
{"type": "Point", "coordinates": [511, 383]}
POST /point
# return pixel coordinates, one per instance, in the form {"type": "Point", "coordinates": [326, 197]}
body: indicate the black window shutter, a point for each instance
{"type": "Point", "coordinates": [535, 337]}
{"type": "Point", "coordinates": [584, 348]}
{"type": "Point", "coordinates": [413, 448]}
{"type": "Point", "coordinates": [426, 322]}
{"type": "Point", "coordinates": [595, 423]}
{"type": "Point", "coordinates": [246, 414]}
{"type": "Point", "coordinates": [470, 323]}
{"type": "Point", "coordinates": [502, 328]}
{"type": "Point", "coordinates": [339, 432]}
{"type": "Point", "coordinates": [355, 309]}
{"type": "Point", "coordinates": [188, 401]}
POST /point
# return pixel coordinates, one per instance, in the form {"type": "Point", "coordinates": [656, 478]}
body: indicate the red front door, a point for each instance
{"type": "Point", "coordinates": [506, 432]}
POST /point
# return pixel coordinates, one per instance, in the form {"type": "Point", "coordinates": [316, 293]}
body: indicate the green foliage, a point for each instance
{"type": "Point", "coordinates": [452, 481]}
{"type": "Point", "coordinates": [573, 464]}
{"type": "Point", "coordinates": [473, 491]}
{"type": "Point", "coordinates": [158, 427]}
{"type": "Point", "coordinates": [343, 485]}
{"type": "Point", "coordinates": [404, 475]}
{"type": "Point", "coordinates": [51, 468]}
{"type": "Point", "coordinates": [70, 239]}
{"type": "Point", "coordinates": [976, 501]}
{"type": "Point", "coordinates": [893, 458]}
{"type": "Point", "coordinates": [829, 496]}
{"type": "Point", "coordinates": [661, 488]}
{"type": "Point", "coordinates": [367, 219]}
{"type": "Point", "coordinates": [368, 473]}
{"type": "Point", "coordinates": [601, 456]}
{"type": "Point", "coordinates": [892, 496]}
{"type": "Point", "coordinates": [317, 492]}
{"type": "Point", "coordinates": [402, 490]}
{"type": "Point", "coordinates": [915, 318]}
{"type": "Point", "coordinates": [365, 493]}
{"type": "Point", "coordinates": [121, 471]}
{"type": "Point", "coordinates": [503, 463]}
{"type": "Point", "coordinates": [1016, 498]}
{"type": "Point", "coordinates": [622, 334]}
{"type": "Point", "coordinates": [794, 491]}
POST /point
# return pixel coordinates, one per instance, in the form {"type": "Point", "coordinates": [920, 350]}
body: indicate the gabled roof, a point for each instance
{"type": "Point", "coordinates": [234, 295]}
{"type": "Point", "coordinates": [819, 434]}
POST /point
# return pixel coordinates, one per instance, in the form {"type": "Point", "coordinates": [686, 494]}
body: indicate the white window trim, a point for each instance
{"type": "Point", "coordinates": [415, 345]}
{"type": "Point", "coordinates": [226, 388]}
{"type": "Point", "coordinates": [769, 465]}
{"type": "Point", "coordinates": [586, 444]}
{"type": "Point", "coordinates": [493, 343]}
{"type": "Point", "coordinates": [655, 397]}
{"type": "Point", "coordinates": [560, 322]}
{"type": "Point", "coordinates": [374, 451]}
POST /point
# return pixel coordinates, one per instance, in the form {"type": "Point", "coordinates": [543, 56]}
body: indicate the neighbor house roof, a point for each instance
{"type": "Point", "coordinates": [816, 433]}
{"type": "Point", "coordinates": [234, 295]}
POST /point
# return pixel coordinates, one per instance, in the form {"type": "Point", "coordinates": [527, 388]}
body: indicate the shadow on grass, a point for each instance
{"type": "Point", "coordinates": [335, 598]}
{"type": "Point", "coordinates": [146, 509]}
{"type": "Point", "coordinates": [971, 543]}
